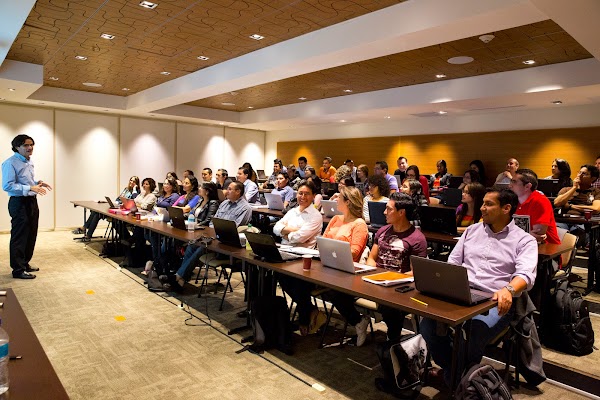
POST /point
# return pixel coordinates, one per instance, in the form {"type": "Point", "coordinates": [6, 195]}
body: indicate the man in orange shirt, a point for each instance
{"type": "Point", "coordinates": [327, 171]}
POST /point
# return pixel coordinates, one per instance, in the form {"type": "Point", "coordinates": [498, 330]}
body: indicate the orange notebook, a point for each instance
{"type": "Point", "coordinates": [388, 278]}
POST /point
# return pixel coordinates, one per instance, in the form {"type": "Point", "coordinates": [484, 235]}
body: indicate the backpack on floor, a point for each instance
{"type": "Point", "coordinates": [162, 276]}
{"type": "Point", "coordinates": [569, 328]}
{"type": "Point", "coordinates": [271, 326]}
{"type": "Point", "coordinates": [482, 382]}
{"type": "Point", "coordinates": [404, 365]}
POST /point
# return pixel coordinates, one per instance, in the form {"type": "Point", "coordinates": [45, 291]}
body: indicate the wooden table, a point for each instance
{"type": "Point", "coordinates": [31, 377]}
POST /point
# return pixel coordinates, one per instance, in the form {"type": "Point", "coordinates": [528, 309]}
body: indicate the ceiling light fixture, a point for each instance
{"type": "Point", "coordinates": [221, 123]}
{"type": "Point", "coordinates": [256, 36]}
{"type": "Point", "coordinates": [203, 58]}
{"type": "Point", "coordinates": [342, 120]}
{"type": "Point", "coordinates": [440, 76]}
{"type": "Point", "coordinates": [460, 60]}
{"type": "Point", "coordinates": [250, 107]}
{"type": "Point", "coordinates": [529, 62]}
{"type": "Point", "coordinates": [2, 99]}
{"type": "Point", "coordinates": [348, 90]}
{"type": "Point", "coordinates": [92, 84]}
{"type": "Point", "coordinates": [53, 78]}
{"type": "Point", "coordinates": [387, 117]}
{"type": "Point", "coordinates": [228, 104]}
{"type": "Point", "coordinates": [81, 58]}
{"type": "Point", "coordinates": [165, 73]}
{"type": "Point", "coordinates": [302, 98]}
{"type": "Point", "coordinates": [557, 102]}
{"type": "Point", "coordinates": [147, 4]}
{"type": "Point", "coordinates": [442, 112]}
{"type": "Point", "coordinates": [486, 38]}
{"type": "Point", "coordinates": [12, 89]}
{"type": "Point", "coordinates": [107, 36]}
{"type": "Point", "coordinates": [126, 89]}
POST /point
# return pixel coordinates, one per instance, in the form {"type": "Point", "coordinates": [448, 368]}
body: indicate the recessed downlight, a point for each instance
{"type": "Point", "coordinates": [348, 90]}
{"type": "Point", "coordinates": [148, 4]}
{"type": "Point", "coordinates": [203, 58]}
{"type": "Point", "coordinates": [256, 36]}
{"type": "Point", "coordinates": [387, 117]}
{"type": "Point", "coordinates": [107, 36]}
{"type": "Point", "coordinates": [529, 62]}
{"type": "Point", "coordinates": [557, 102]}
{"type": "Point", "coordinates": [53, 78]}
{"type": "Point", "coordinates": [440, 76]}
{"type": "Point", "coordinates": [250, 107]}
{"type": "Point", "coordinates": [441, 112]}
{"type": "Point", "coordinates": [460, 60]}
{"type": "Point", "coordinates": [126, 89]}
{"type": "Point", "coordinates": [343, 120]}
{"type": "Point", "coordinates": [228, 104]}
{"type": "Point", "coordinates": [221, 123]}
{"type": "Point", "coordinates": [12, 89]}
{"type": "Point", "coordinates": [302, 98]}
{"type": "Point", "coordinates": [2, 99]}
{"type": "Point", "coordinates": [165, 73]}
{"type": "Point", "coordinates": [92, 84]}
{"type": "Point", "coordinates": [81, 58]}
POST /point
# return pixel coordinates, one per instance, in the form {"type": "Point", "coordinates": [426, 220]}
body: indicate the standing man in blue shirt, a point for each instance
{"type": "Point", "coordinates": [22, 189]}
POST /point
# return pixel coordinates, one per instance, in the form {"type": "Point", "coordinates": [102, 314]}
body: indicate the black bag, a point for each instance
{"type": "Point", "coordinates": [162, 276]}
{"type": "Point", "coordinates": [569, 328]}
{"type": "Point", "coordinates": [271, 325]}
{"type": "Point", "coordinates": [404, 365]}
{"type": "Point", "coordinates": [482, 382]}
{"type": "Point", "coordinates": [112, 249]}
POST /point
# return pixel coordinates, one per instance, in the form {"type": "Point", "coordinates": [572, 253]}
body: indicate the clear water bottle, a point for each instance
{"type": "Point", "coordinates": [191, 225]}
{"type": "Point", "coordinates": [3, 360]}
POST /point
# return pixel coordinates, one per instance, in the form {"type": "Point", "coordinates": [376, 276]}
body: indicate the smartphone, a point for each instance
{"type": "Point", "coordinates": [404, 289]}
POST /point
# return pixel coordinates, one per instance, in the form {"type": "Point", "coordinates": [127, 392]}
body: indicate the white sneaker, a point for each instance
{"type": "Point", "coordinates": [361, 331]}
{"type": "Point", "coordinates": [148, 267]}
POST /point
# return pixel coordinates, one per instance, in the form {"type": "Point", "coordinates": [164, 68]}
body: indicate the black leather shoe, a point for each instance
{"type": "Point", "coordinates": [24, 275]}
{"type": "Point", "coordinates": [32, 269]}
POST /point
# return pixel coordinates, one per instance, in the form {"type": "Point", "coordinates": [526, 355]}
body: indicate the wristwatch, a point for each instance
{"type": "Point", "coordinates": [511, 289]}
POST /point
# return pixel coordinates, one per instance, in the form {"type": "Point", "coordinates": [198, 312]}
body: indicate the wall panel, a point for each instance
{"type": "Point", "coordinates": [242, 145]}
{"type": "Point", "coordinates": [198, 147]}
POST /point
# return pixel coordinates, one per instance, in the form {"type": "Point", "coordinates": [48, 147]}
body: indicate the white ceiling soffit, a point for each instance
{"type": "Point", "coordinates": [13, 14]}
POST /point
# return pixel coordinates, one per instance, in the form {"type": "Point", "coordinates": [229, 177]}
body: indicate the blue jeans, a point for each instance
{"type": "Point", "coordinates": [483, 328]}
{"type": "Point", "coordinates": [190, 259]}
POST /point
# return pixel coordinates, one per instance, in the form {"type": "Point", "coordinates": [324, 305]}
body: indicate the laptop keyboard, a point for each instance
{"type": "Point", "coordinates": [477, 298]}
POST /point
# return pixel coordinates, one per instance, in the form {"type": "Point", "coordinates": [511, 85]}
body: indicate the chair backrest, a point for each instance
{"type": "Point", "coordinates": [567, 258]}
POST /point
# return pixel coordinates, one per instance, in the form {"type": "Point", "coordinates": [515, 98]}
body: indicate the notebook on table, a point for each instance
{"type": "Point", "coordinates": [264, 246]}
{"type": "Point", "coordinates": [445, 281]}
{"type": "Point", "coordinates": [388, 278]}
{"type": "Point", "coordinates": [438, 219]}
{"type": "Point", "coordinates": [376, 215]}
{"type": "Point", "coordinates": [274, 201]}
{"type": "Point", "coordinates": [226, 232]}
{"type": "Point", "coordinates": [337, 254]}
{"type": "Point", "coordinates": [329, 208]}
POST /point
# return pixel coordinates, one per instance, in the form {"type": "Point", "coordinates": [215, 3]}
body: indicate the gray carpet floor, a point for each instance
{"type": "Point", "coordinates": [108, 337]}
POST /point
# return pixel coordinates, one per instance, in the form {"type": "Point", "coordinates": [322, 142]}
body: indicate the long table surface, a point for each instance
{"type": "Point", "coordinates": [32, 376]}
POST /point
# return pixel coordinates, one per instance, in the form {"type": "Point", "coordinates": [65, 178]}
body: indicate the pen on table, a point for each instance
{"type": "Point", "coordinates": [419, 301]}
{"type": "Point", "coordinates": [15, 357]}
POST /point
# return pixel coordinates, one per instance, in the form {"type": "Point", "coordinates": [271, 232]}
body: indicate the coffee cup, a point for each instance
{"type": "Point", "coordinates": [587, 214]}
{"type": "Point", "coordinates": [306, 262]}
{"type": "Point", "coordinates": [138, 216]}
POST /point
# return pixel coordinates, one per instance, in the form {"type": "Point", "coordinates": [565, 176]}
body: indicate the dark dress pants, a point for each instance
{"type": "Point", "coordinates": [24, 213]}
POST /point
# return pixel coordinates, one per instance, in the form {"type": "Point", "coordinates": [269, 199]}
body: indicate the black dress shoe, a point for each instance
{"type": "Point", "coordinates": [24, 275]}
{"type": "Point", "coordinates": [32, 269]}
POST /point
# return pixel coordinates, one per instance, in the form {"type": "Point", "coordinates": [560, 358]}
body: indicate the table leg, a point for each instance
{"type": "Point", "coordinates": [456, 345]}
{"type": "Point", "coordinates": [248, 295]}
{"type": "Point", "coordinates": [593, 273]}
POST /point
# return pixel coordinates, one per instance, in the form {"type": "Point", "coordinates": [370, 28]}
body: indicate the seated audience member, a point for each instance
{"type": "Point", "coordinates": [500, 258]}
{"type": "Point", "coordinates": [188, 173]}
{"type": "Point", "coordinates": [302, 166]}
{"type": "Point", "coordinates": [561, 170]}
{"type": "Point", "coordinates": [402, 163]}
{"type": "Point", "coordinates": [392, 248]}
{"type": "Point", "coordinates": [252, 173]}
{"type": "Point", "coordinates": [277, 169]}
{"type": "Point", "coordinates": [282, 188]}
{"type": "Point", "coordinates": [582, 195]}
{"type": "Point", "coordinates": [167, 197]}
{"type": "Point", "coordinates": [146, 199]}
{"type": "Point", "coordinates": [381, 168]}
{"type": "Point", "coordinates": [512, 165]}
{"type": "Point", "coordinates": [441, 177]}
{"type": "Point", "coordinates": [379, 191]}
{"type": "Point", "coordinates": [596, 183]}
{"type": "Point", "coordinates": [350, 227]}
{"type": "Point", "coordinates": [342, 172]}
{"type": "Point", "coordinates": [536, 205]}
{"type": "Point", "coordinates": [412, 172]}
{"type": "Point", "coordinates": [350, 164]}
{"type": "Point", "coordinates": [469, 211]}
{"type": "Point", "coordinates": [208, 204]}
{"type": "Point", "coordinates": [173, 175]}
{"type": "Point", "coordinates": [318, 197]}
{"type": "Point", "coordinates": [344, 182]}
{"type": "Point", "coordinates": [470, 176]}
{"type": "Point", "coordinates": [223, 179]}
{"type": "Point", "coordinates": [130, 192]}
{"type": "Point", "coordinates": [362, 173]}
{"type": "Point", "coordinates": [234, 208]}
{"type": "Point", "coordinates": [414, 189]}
{"type": "Point", "coordinates": [250, 188]}
{"type": "Point", "coordinates": [477, 166]}
{"type": "Point", "coordinates": [190, 198]}
{"type": "Point", "coordinates": [327, 171]}
{"type": "Point", "coordinates": [291, 170]}
{"type": "Point", "coordinates": [207, 175]}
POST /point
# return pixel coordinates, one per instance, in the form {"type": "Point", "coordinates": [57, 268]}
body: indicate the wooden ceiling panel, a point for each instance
{"type": "Point", "coordinates": [545, 42]}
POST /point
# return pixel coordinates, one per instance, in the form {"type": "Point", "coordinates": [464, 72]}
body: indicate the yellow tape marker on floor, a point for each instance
{"type": "Point", "coordinates": [120, 318]}
{"type": "Point", "coordinates": [90, 292]}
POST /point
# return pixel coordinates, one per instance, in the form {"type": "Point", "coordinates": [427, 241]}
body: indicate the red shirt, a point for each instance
{"type": "Point", "coordinates": [539, 209]}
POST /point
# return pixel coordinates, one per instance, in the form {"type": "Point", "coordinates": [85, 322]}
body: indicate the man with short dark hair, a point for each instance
{"type": "Point", "coordinates": [250, 189]}
{"type": "Point", "coordinates": [500, 258]}
{"type": "Point", "coordinates": [582, 195]}
{"type": "Point", "coordinates": [223, 179]}
{"type": "Point", "coordinates": [512, 165]}
{"type": "Point", "coordinates": [327, 171]}
{"type": "Point", "coordinates": [350, 164]}
{"type": "Point", "coordinates": [381, 168]}
{"type": "Point", "coordinates": [302, 166]}
{"type": "Point", "coordinates": [207, 175]}
{"type": "Point", "coordinates": [19, 183]}
{"type": "Point", "coordinates": [188, 173]}
{"type": "Point", "coordinates": [277, 169]}
{"type": "Point", "coordinates": [536, 205]}
{"type": "Point", "coordinates": [402, 163]}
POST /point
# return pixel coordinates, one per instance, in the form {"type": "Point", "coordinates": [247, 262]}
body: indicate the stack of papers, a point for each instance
{"type": "Point", "coordinates": [389, 278]}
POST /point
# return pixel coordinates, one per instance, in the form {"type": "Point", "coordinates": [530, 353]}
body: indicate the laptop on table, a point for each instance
{"type": "Point", "coordinates": [177, 218]}
{"type": "Point", "coordinates": [452, 197]}
{"type": "Point", "coordinates": [438, 219]}
{"type": "Point", "coordinates": [338, 255]}
{"type": "Point", "coordinates": [329, 208]}
{"type": "Point", "coordinates": [112, 205]}
{"type": "Point", "coordinates": [455, 182]}
{"type": "Point", "coordinates": [548, 186]}
{"type": "Point", "coordinates": [226, 232]}
{"type": "Point", "coordinates": [376, 215]}
{"type": "Point", "coordinates": [274, 201]}
{"type": "Point", "coordinates": [264, 246]}
{"type": "Point", "coordinates": [446, 281]}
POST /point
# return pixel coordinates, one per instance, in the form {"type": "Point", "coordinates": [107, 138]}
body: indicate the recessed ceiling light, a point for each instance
{"type": "Point", "coordinates": [440, 76]}
{"type": "Point", "coordinates": [302, 98]}
{"type": "Point", "coordinates": [165, 73]}
{"type": "Point", "coordinates": [387, 117]}
{"type": "Point", "coordinates": [221, 123]}
{"type": "Point", "coordinates": [2, 99]}
{"type": "Point", "coordinates": [81, 58]}
{"type": "Point", "coordinates": [256, 36]}
{"type": "Point", "coordinates": [12, 89]}
{"type": "Point", "coordinates": [250, 107]}
{"type": "Point", "coordinates": [442, 112]}
{"type": "Point", "coordinates": [147, 4]}
{"type": "Point", "coordinates": [126, 89]}
{"type": "Point", "coordinates": [92, 84]}
{"type": "Point", "coordinates": [460, 60]}
{"type": "Point", "coordinates": [557, 102]}
{"type": "Point", "coordinates": [228, 104]}
{"type": "Point", "coordinates": [348, 90]}
{"type": "Point", "coordinates": [53, 78]}
{"type": "Point", "coordinates": [529, 62]}
{"type": "Point", "coordinates": [342, 120]}
{"type": "Point", "coordinates": [107, 36]}
{"type": "Point", "coordinates": [203, 58]}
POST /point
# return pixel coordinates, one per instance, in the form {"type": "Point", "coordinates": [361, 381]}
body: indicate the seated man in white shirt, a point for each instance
{"type": "Point", "coordinates": [512, 165]}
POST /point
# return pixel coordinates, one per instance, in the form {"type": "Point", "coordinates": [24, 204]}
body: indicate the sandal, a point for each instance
{"type": "Point", "coordinates": [317, 320]}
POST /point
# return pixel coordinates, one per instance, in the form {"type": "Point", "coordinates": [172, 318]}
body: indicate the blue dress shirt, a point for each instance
{"type": "Point", "coordinates": [17, 176]}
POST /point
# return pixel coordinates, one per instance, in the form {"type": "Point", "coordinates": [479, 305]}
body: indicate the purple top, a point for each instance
{"type": "Point", "coordinates": [391, 180]}
{"type": "Point", "coordinates": [494, 259]}
{"type": "Point", "coordinates": [395, 248]}
{"type": "Point", "coordinates": [165, 202]}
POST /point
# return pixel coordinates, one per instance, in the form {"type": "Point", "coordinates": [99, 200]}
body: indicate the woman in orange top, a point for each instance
{"type": "Point", "coordinates": [469, 212]}
{"type": "Point", "coordinates": [350, 227]}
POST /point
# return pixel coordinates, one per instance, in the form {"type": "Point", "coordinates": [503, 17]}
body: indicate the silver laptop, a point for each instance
{"type": "Point", "coordinates": [329, 208]}
{"type": "Point", "coordinates": [274, 201]}
{"type": "Point", "coordinates": [447, 281]}
{"type": "Point", "coordinates": [337, 254]}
